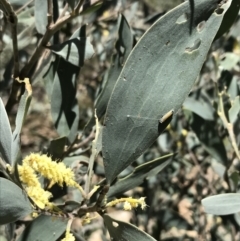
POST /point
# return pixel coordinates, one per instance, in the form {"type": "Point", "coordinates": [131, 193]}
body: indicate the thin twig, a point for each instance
{"type": "Point", "coordinates": [24, 6]}
{"type": "Point", "coordinates": [92, 157]}
{"type": "Point", "coordinates": [228, 126]}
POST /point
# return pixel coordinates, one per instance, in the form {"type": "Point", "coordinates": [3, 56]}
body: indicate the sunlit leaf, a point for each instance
{"type": "Point", "coordinates": [41, 18]}
{"type": "Point", "coordinates": [157, 76]}
{"type": "Point", "coordinates": [222, 204]}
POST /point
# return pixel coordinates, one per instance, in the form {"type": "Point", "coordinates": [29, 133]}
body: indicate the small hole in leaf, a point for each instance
{"type": "Point", "coordinates": [115, 224]}
{"type": "Point", "coordinates": [219, 11]}
{"type": "Point", "coordinates": [201, 26]}
{"type": "Point", "coordinates": [167, 43]}
{"type": "Point", "coordinates": [195, 46]}
{"type": "Point", "coordinates": [182, 19]}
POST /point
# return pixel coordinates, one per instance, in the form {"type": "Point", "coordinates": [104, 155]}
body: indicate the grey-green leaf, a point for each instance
{"type": "Point", "coordinates": [123, 46]}
{"type": "Point", "coordinates": [21, 114]}
{"type": "Point", "coordinates": [44, 228]}
{"type": "Point", "coordinates": [156, 78]}
{"type": "Point", "coordinates": [41, 19]}
{"type": "Point", "coordinates": [74, 50]}
{"type": "Point", "coordinates": [137, 177]}
{"type": "Point", "coordinates": [64, 108]}
{"type": "Point", "coordinates": [14, 202]}
{"type": "Point", "coordinates": [201, 106]}
{"type": "Point", "coordinates": [222, 204]}
{"type": "Point", "coordinates": [234, 110]}
{"type": "Point", "coordinates": [6, 135]}
{"type": "Point", "coordinates": [122, 231]}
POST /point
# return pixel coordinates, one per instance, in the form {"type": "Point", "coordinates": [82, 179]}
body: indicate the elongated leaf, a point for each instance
{"type": "Point", "coordinates": [74, 50]}
{"type": "Point", "coordinates": [64, 108]}
{"type": "Point", "coordinates": [5, 136]}
{"type": "Point", "coordinates": [222, 204]}
{"type": "Point", "coordinates": [14, 202]}
{"type": "Point", "coordinates": [121, 231]}
{"type": "Point", "coordinates": [44, 228]}
{"type": "Point", "coordinates": [137, 177]}
{"type": "Point", "coordinates": [21, 114]}
{"type": "Point", "coordinates": [156, 78]}
{"type": "Point", "coordinates": [229, 18]}
{"type": "Point", "coordinates": [123, 46]}
{"type": "Point", "coordinates": [41, 20]}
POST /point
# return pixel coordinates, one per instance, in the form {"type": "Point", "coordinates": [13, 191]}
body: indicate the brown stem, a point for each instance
{"type": "Point", "coordinates": [228, 126]}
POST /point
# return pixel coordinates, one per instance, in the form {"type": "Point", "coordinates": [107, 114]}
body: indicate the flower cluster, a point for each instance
{"type": "Point", "coordinates": [68, 236]}
{"type": "Point", "coordinates": [129, 203]}
{"type": "Point", "coordinates": [55, 172]}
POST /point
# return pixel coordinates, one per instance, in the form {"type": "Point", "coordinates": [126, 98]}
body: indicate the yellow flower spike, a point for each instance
{"type": "Point", "coordinates": [127, 206]}
{"type": "Point", "coordinates": [68, 236]}
{"type": "Point", "coordinates": [129, 202]}
{"type": "Point", "coordinates": [55, 172]}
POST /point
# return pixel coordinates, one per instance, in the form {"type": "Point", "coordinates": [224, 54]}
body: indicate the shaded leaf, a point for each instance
{"type": "Point", "coordinates": [222, 204]}
{"type": "Point", "coordinates": [156, 78]}
{"type": "Point", "coordinates": [69, 206]}
{"type": "Point", "coordinates": [44, 228]}
{"type": "Point", "coordinates": [123, 46]}
{"type": "Point", "coordinates": [121, 231]}
{"type": "Point", "coordinates": [69, 161]}
{"type": "Point", "coordinates": [208, 136]}
{"type": "Point", "coordinates": [6, 135]}
{"type": "Point", "coordinates": [64, 107]}
{"type": "Point", "coordinates": [71, 3]}
{"type": "Point", "coordinates": [56, 148]}
{"type": "Point", "coordinates": [74, 50]}
{"type": "Point", "coordinates": [21, 114]}
{"type": "Point", "coordinates": [140, 173]}
{"type": "Point", "coordinates": [14, 202]}
{"type": "Point", "coordinates": [93, 8]}
{"type": "Point", "coordinates": [229, 18]}
{"type": "Point", "coordinates": [41, 20]}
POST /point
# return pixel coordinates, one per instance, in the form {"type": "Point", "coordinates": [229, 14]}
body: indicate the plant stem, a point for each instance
{"type": "Point", "coordinates": [229, 126]}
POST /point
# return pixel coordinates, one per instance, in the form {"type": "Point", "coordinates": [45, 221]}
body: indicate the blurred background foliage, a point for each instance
{"type": "Point", "coordinates": [206, 162]}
